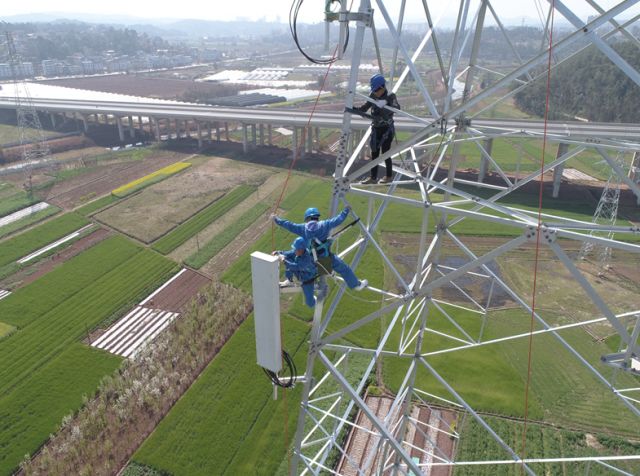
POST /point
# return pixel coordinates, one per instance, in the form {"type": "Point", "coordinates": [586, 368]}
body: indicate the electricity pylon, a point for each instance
{"type": "Point", "coordinates": [606, 213]}
{"type": "Point", "coordinates": [34, 148]}
{"type": "Point", "coordinates": [420, 324]}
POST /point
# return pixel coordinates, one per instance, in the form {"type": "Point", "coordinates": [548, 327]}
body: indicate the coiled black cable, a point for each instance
{"type": "Point", "coordinates": [293, 26]}
{"type": "Point", "coordinates": [289, 381]}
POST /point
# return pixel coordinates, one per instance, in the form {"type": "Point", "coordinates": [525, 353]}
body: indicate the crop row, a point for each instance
{"type": "Point", "coordinates": [96, 205]}
{"type": "Point", "coordinates": [239, 409]}
{"type": "Point", "coordinates": [202, 219]}
{"type": "Point", "coordinates": [33, 301]}
{"type": "Point", "coordinates": [541, 442]}
{"type": "Point", "coordinates": [222, 239]}
{"type": "Point", "coordinates": [23, 244]}
{"type": "Point", "coordinates": [35, 408]}
{"type": "Point", "coordinates": [28, 220]}
{"type": "Point", "coordinates": [15, 202]}
{"type": "Point", "coordinates": [150, 179]}
{"type": "Point", "coordinates": [37, 343]}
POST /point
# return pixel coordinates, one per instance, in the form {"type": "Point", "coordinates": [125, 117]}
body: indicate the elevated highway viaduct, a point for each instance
{"type": "Point", "coordinates": [165, 120]}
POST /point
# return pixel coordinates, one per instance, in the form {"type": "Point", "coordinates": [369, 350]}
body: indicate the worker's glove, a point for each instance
{"type": "Point", "coordinates": [381, 103]}
{"type": "Point", "coordinates": [273, 217]}
{"type": "Point", "coordinates": [281, 257]}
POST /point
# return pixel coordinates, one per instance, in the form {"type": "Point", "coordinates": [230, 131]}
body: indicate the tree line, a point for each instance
{"type": "Point", "coordinates": [41, 41]}
{"type": "Point", "coordinates": [589, 86]}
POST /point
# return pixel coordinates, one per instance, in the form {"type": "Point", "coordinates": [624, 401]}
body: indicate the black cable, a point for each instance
{"type": "Point", "coordinates": [293, 27]}
{"type": "Point", "coordinates": [292, 371]}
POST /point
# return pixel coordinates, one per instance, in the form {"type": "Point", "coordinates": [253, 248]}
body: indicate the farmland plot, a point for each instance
{"type": "Point", "coordinates": [213, 247]}
{"type": "Point", "coordinates": [150, 179]}
{"type": "Point", "coordinates": [35, 408]}
{"type": "Point", "coordinates": [109, 170]}
{"type": "Point", "coordinates": [23, 212]}
{"type": "Point", "coordinates": [202, 219]}
{"type": "Point", "coordinates": [96, 205]}
{"type": "Point", "coordinates": [15, 201]}
{"type": "Point", "coordinates": [161, 207]}
{"type": "Point", "coordinates": [140, 326]}
{"type": "Point", "coordinates": [134, 331]}
{"type": "Point", "coordinates": [229, 411]}
{"type": "Point", "coordinates": [266, 193]}
{"type": "Point", "coordinates": [55, 329]}
{"type": "Point", "coordinates": [19, 246]}
{"type": "Point", "coordinates": [16, 223]}
{"type": "Point", "coordinates": [541, 441]}
{"type": "Point", "coordinates": [33, 301]}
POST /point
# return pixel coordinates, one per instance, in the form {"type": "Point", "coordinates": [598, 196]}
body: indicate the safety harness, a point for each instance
{"type": "Point", "coordinates": [321, 252]}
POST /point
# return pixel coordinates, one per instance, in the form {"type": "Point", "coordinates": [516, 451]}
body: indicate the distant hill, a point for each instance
{"type": "Point", "coordinates": [167, 28]}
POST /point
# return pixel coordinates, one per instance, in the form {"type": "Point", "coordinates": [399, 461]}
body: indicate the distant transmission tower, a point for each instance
{"type": "Point", "coordinates": [32, 140]}
{"type": "Point", "coordinates": [606, 214]}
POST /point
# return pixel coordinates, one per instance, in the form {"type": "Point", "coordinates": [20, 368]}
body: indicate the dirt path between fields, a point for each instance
{"type": "Point", "coordinates": [264, 192]}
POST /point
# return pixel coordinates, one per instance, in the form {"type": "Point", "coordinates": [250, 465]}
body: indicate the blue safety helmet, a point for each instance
{"type": "Point", "coordinates": [299, 244]}
{"type": "Point", "coordinates": [312, 212]}
{"type": "Point", "coordinates": [377, 81]}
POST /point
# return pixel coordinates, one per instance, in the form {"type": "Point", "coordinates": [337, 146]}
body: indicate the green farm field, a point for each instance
{"type": "Point", "coordinates": [227, 422]}
{"type": "Point", "coordinates": [519, 157]}
{"type": "Point", "coordinates": [230, 411]}
{"type": "Point", "coordinates": [28, 221]}
{"type": "Point", "coordinates": [63, 306]}
{"type": "Point", "coordinates": [5, 329]}
{"type": "Point", "coordinates": [35, 408]}
{"type": "Point", "coordinates": [12, 200]}
{"type": "Point", "coordinates": [213, 247]}
{"type": "Point", "coordinates": [21, 245]}
{"type": "Point", "coordinates": [542, 441]}
{"type": "Point", "coordinates": [97, 205]}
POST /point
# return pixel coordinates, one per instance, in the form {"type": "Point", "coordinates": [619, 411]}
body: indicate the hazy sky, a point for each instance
{"type": "Point", "coordinates": [259, 9]}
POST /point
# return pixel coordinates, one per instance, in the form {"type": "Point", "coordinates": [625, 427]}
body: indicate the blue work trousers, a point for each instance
{"type": "Point", "coordinates": [309, 298]}
{"type": "Point", "coordinates": [344, 270]}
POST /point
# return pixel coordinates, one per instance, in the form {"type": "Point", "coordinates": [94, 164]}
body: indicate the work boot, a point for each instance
{"type": "Point", "coordinates": [386, 180]}
{"type": "Point", "coordinates": [286, 283]}
{"type": "Point", "coordinates": [363, 284]}
{"type": "Point", "coordinates": [369, 181]}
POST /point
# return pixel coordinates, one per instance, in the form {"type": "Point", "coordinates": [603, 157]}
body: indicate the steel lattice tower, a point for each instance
{"type": "Point", "coordinates": [32, 140]}
{"type": "Point", "coordinates": [411, 306]}
{"type": "Point", "coordinates": [606, 212]}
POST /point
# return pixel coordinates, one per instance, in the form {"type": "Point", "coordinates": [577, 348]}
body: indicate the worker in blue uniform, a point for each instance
{"type": "Point", "coordinates": [299, 263]}
{"type": "Point", "coordinates": [382, 125]}
{"type": "Point", "coordinates": [317, 233]}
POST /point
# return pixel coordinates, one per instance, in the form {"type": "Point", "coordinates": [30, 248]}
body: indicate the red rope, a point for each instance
{"type": "Point", "coordinates": [273, 244]}
{"type": "Point", "coordinates": [537, 252]}
{"type": "Point", "coordinates": [296, 155]}
{"type": "Point", "coordinates": [305, 131]}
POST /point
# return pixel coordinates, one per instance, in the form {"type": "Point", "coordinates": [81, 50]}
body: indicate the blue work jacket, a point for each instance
{"type": "Point", "coordinates": [303, 267]}
{"type": "Point", "coordinates": [315, 231]}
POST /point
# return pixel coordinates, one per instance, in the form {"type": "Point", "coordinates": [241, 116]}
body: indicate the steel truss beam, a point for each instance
{"type": "Point", "coordinates": [410, 304]}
